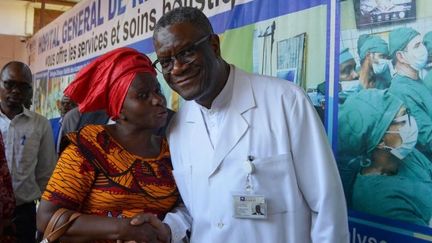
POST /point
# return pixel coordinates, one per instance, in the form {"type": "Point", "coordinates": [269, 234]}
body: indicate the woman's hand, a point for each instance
{"type": "Point", "coordinates": [162, 230]}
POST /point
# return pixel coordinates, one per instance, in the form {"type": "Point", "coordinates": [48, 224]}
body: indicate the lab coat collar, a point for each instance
{"type": "Point", "coordinates": [235, 125]}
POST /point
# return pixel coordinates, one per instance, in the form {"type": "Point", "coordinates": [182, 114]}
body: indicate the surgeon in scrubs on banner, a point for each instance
{"type": "Point", "coordinates": [375, 67]}
{"type": "Point", "coordinates": [348, 76]}
{"type": "Point", "coordinates": [409, 57]}
{"type": "Point", "coordinates": [390, 177]}
{"type": "Point", "coordinates": [427, 71]}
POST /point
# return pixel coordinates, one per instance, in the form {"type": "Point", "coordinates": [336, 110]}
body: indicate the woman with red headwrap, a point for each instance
{"type": "Point", "coordinates": [7, 201]}
{"type": "Point", "coordinates": [109, 173]}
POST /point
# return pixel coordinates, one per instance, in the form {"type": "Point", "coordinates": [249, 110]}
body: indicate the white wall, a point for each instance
{"type": "Point", "coordinates": [16, 18]}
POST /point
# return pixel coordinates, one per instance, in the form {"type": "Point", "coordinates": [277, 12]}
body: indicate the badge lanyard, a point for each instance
{"type": "Point", "coordinates": [248, 205]}
{"type": "Point", "coordinates": [249, 167]}
{"type": "Point", "coordinates": [248, 164]}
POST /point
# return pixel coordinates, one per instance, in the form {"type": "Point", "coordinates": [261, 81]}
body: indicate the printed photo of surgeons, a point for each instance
{"type": "Point", "coordinates": [384, 148]}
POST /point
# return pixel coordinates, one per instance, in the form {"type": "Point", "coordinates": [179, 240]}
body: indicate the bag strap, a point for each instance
{"type": "Point", "coordinates": [51, 232]}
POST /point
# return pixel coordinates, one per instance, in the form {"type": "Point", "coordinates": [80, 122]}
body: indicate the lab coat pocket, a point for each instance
{"type": "Point", "coordinates": [275, 179]}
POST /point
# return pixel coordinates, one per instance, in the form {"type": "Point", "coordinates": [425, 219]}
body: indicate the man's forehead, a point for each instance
{"type": "Point", "coordinates": [182, 30]}
{"type": "Point", "coordinates": [348, 63]}
{"type": "Point", "coordinates": [175, 36]}
{"type": "Point", "coordinates": [16, 73]}
{"type": "Point", "coordinates": [415, 41]}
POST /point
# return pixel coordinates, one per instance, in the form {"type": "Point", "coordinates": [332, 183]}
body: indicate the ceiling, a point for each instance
{"type": "Point", "coordinates": [26, 17]}
{"type": "Point", "coordinates": [60, 5]}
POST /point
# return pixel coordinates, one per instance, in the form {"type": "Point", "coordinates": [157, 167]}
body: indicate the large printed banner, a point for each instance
{"type": "Point", "coordinates": [384, 118]}
{"type": "Point", "coordinates": [291, 39]}
{"type": "Point", "coordinates": [91, 28]}
{"type": "Point", "coordinates": [94, 27]}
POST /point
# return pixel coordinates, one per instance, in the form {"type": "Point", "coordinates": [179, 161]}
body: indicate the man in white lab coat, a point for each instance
{"type": "Point", "coordinates": [240, 140]}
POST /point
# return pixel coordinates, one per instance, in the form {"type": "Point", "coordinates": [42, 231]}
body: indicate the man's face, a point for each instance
{"type": "Point", "coordinates": [414, 54]}
{"type": "Point", "coordinates": [347, 71]}
{"type": "Point", "coordinates": [15, 86]}
{"type": "Point", "coordinates": [193, 77]}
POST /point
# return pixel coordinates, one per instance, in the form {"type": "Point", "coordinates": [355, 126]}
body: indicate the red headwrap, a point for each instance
{"type": "Point", "coordinates": [104, 82]}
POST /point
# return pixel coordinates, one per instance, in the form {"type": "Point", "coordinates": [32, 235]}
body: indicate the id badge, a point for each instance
{"type": "Point", "coordinates": [250, 206]}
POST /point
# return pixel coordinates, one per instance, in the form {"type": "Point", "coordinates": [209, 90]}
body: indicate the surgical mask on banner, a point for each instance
{"type": "Point", "coordinates": [423, 73]}
{"type": "Point", "coordinates": [417, 57]}
{"type": "Point", "coordinates": [408, 134]}
{"type": "Point", "coordinates": [381, 66]}
{"type": "Point", "coordinates": [350, 86]}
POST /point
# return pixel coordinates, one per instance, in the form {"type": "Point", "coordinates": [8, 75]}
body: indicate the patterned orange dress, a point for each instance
{"type": "Point", "coordinates": [96, 175]}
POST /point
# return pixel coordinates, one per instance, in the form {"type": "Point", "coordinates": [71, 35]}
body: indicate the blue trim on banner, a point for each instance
{"type": "Point", "coordinates": [381, 226]}
{"type": "Point", "coordinates": [389, 222]}
{"type": "Point", "coordinates": [365, 226]}
{"type": "Point", "coordinates": [256, 11]}
{"type": "Point", "coordinates": [335, 103]}
{"type": "Point", "coordinates": [243, 15]}
{"type": "Point", "coordinates": [327, 69]}
{"type": "Point", "coordinates": [41, 74]}
{"type": "Point", "coordinates": [71, 69]}
{"type": "Point", "coordinates": [144, 46]}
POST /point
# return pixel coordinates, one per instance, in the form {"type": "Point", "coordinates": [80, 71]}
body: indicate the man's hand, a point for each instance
{"type": "Point", "coordinates": [143, 231]}
{"type": "Point", "coordinates": [163, 230]}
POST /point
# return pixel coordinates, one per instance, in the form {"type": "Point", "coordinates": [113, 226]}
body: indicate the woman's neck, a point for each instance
{"type": "Point", "coordinates": [141, 142]}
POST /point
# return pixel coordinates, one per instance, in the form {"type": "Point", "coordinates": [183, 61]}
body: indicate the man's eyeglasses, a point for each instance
{"type": "Point", "coordinates": [185, 56]}
{"type": "Point", "coordinates": [10, 85]}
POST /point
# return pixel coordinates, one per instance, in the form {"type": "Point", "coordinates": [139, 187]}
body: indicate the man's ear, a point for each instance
{"type": "Point", "coordinates": [400, 57]}
{"type": "Point", "coordinates": [215, 44]}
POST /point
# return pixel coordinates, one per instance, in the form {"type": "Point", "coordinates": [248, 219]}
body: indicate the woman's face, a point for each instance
{"type": "Point", "coordinates": [145, 105]}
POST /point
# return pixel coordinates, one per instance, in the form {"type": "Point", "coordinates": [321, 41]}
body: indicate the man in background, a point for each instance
{"type": "Point", "coordinates": [65, 105]}
{"type": "Point", "coordinates": [348, 76]}
{"type": "Point", "coordinates": [409, 57]}
{"type": "Point", "coordinates": [427, 71]}
{"type": "Point", "coordinates": [29, 146]}
{"type": "Point", "coordinates": [375, 68]}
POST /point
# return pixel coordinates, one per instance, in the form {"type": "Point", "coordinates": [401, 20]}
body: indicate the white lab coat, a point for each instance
{"type": "Point", "coordinates": [273, 121]}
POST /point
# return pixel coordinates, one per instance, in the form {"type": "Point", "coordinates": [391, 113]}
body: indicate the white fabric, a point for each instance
{"type": "Point", "coordinates": [30, 153]}
{"type": "Point", "coordinates": [214, 117]}
{"type": "Point", "coordinates": [273, 121]}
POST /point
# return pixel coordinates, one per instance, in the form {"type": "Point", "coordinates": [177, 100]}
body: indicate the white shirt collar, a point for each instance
{"type": "Point", "coordinates": [25, 112]}
{"type": "Point", "coordinates": [223, 99]}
